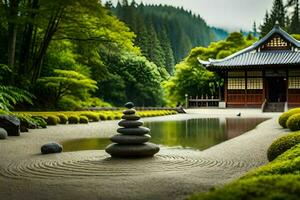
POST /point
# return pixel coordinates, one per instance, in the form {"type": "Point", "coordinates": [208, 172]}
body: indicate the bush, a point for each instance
{"type": "Point", "coordinates": [283, 144]}
{"type": "Point", "coordinates": [93, 117]}
{"type": "Point", "coordinates": [39, 121]}
{"type": "Point", "coordinates": [109, 117]}
{"type": "Point", "coordinates": [285, 116]}
{"type": "Point", "coordinates": [83, 120]}
{"type": "Point", "coordinates": [285, 187]}
{"type": "Point", "coordinates": [73, 119]}
{"type": "Point", "coordinates": [102, 117]}
{"type": "Point", "coordinates": [63, 118]}
{"type": "Point", "coordinates": [52, 120]}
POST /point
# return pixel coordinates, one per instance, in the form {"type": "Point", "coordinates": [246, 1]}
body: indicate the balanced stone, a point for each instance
{"type": "Point", "coordinates": [134, 131]}
{"type": "Point", "coordinates": [132, 151]}
{"type": "Point", "coordinates": [131, 117]}
{"type": "Point", "coordinates": [129, 105]}
{"type": "Point", "coordinates": [130, 139]}
{"type": "Point", "coordinates": [129, 112]}
{"type": "Point", "coordinates": [11, 124]}
{"type": "Point", "coordinates": [130, 124]}
{"type": "Point", "coordinates": [3, 134]}
{"type": "Point", "coordinates": [132, 142]}
{"type": "Point", "coordinates": [51, 148]}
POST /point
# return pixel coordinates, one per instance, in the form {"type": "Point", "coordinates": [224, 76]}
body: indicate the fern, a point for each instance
{"type": "Point", "coordinates": [10, 96]}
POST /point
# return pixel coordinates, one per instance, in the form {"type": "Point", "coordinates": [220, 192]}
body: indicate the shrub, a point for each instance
{"type": "Point", "coordinates": [109, 117]}
{"type": "Point", "coordinates": [39, 121]}
{"type": "Point", "coordinates": [83, 120]}
{"type": "Point", "coordinates": [52, 120]}
{"type": "Point", "coordinates": [282, 144]}
{"type": "Point", "coordinates": [93, 117]}
{"type": "Point", "coordinates": [73, 119]}
{"type": "Point", "coordinates": [285, 116]}
{"type": "Point", "coordinates": [63, 118]}
{"type": "Point", "coordinates": [102, 117]}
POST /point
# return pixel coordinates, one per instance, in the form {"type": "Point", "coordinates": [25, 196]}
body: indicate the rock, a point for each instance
{"type": "Point", "coordinates": [131, 117]}
{"type": "Point", "coordinates": [129, 105]}
{"type": "Point", "coordinates": [11, 124]}
{"type": "Point", "coordinates": [132, 151]}
{"type": "Point", "coordinates": [130, 124]}
{"type": "Point", "coordinates": [133, 131]}
{"type": "Point", "coordinates": [51, 148]}
{"type": "Point", "coordinates": [23, 129]}
{"type": "Point", "coordinates": [3, 134]}
{"type": "Point", "coordinates": [129, 112]}
{"type": "Point", "coordinates": [130, 139]}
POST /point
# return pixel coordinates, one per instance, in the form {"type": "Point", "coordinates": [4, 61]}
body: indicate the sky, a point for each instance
{"type": "Point", "coordinates": [232, 15]}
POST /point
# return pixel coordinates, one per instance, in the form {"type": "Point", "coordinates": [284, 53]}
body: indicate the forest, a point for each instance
{"type": "Point", "coordinates": [65, 55]}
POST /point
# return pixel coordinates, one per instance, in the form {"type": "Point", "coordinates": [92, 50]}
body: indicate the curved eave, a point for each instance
{"type": "Point", "coordinates": [253, 47]}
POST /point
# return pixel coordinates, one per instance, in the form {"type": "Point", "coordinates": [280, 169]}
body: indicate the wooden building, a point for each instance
{"type": "Point", "coordinates": [266, 74]}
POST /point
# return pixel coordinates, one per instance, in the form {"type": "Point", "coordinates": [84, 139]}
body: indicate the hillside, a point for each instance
{"type": "Point", "coordinates": [165, 34]}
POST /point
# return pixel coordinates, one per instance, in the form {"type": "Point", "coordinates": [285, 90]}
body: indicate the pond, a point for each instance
{"type": "Point", "coordinates": [198, 134]}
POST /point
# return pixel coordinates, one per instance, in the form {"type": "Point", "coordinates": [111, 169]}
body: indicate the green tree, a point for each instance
{"type": "Point", "coordinates": [68, 83]}
{"type": "Point", "coordinates": [295, 20]}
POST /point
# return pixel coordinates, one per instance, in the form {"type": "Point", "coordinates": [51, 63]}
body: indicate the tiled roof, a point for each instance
{"type": "Point", "coordinates": [252, 57]}
{"type": "Point", "coordinates": [260, 58]}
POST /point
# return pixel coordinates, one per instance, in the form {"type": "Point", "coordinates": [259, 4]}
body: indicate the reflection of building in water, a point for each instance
{"type": "Point", "coordinates": [236, 126]}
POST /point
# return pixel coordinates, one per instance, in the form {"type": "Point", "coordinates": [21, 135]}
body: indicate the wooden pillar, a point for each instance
{"type": "Point", "coordinates": [287, 86]}
{"type": "Point", "coordinates": [264, 85]}
{"type": "Point", "coordinates": [226, 87]}
{"type": "Point", "coordinates": [246, 93]}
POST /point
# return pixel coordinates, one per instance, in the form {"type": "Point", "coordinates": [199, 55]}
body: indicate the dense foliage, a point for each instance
{"type": "Point", "coordinates": [285, 116]}
{"type": "Point", "coordinates": [193, 79]}
{"type": "Point", "coordinates": [47, 41]}
{"type": "Point", "coordinates": [165, 34]}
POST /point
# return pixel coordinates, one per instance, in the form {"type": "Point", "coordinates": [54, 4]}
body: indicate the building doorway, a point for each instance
{"type": "Point", "coordinates": [276, 89]}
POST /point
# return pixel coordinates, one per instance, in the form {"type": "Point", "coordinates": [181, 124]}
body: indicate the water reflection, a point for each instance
{"type": "Point", "coordinates": [200, 133]}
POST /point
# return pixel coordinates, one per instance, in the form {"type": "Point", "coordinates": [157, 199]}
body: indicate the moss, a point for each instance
{"type": "Point", "coordinates": [39, 121]}
{"type": "Point", "coordinates": [52, 120]}
{"type": "Point", "coordinates": [285, 187]}
{"type": "Point", "coordinates": [83, 120]}
{"type": "Point", "coordinates": [285, 116]}
{"type": "Point", "coordinates": [63, 118]}
{"type": "Point", "coordinates": [73, 119]}
{"type": "Point", "coordinates": [283, 144]}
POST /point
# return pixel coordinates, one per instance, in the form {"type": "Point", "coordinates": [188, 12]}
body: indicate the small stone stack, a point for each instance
{"type": "Point", "coordinates": [132, 140]}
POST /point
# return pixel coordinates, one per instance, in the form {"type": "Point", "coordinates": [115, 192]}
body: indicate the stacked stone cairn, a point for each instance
{"type": "Point", "coordinates": [132, 140]}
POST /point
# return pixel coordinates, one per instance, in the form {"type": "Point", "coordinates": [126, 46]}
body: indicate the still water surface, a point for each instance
{"type": "Point", "coordinates": [198, 134]}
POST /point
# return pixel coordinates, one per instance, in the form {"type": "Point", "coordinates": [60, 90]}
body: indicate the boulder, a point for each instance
{"type": "Point", "coordinates": [51, 148]}
{"type": "Point", "coordinates": [3, 134]}
{"type": "Point", "coordinates": [11, 124]}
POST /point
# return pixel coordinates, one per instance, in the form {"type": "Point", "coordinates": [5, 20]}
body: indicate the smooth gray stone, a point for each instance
{"type": "Point", "coordinates": [130, 139]}
{"type": "Point", "coordinates": [51, 148]}
{"type": "Point", "coordinates": [130, 123]}
{"type": "Point", "coordinates": [133, 131]}
{"type": "Point", "coordinates": [129, 112]}
{"type": "Point", "coordinates": [132, 151]}
{"type": "Point", "coordinates": [129, 105]}
{"type": "Point", "coordinates": [11, 124]}
{"type": "Point", "coordinates": [131, 117]}
{"type": "Point", "coordinates": [3, 134]}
